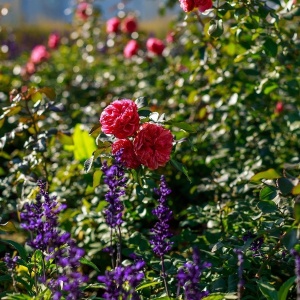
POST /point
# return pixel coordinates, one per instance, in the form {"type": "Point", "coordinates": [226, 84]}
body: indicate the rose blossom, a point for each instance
{"type": "Point", "coordinates": [128, 157]}
{"type": "Point", "coordinates": [120, 118]}
{"type": "Point", "coordinates": [155, 46]}
{"type": "Point", "coordinates": [53, 40]}
{"type": "Point", "coordinates": [131, 48]}
{"type": "Point", "coordinates": [38, 54]}
{"type": "Point", "coordinates": [129, 25]}
{"type": "Point", "coordinates": [81, 10]}
{"type": "Point", "coordinates": [279, 107]}
{"type": "Point", "coordinates": [112, 25]}
{"type": "Point", "coordinates": [187, 5]}
{"type": "Point", "coordinates": [153, 145]}
{"type": "Point", "coordinates": [203, 5]}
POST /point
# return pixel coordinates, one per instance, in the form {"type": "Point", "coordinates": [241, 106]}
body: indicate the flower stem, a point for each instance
{"type": "Point", "coordinates": [164, 276]}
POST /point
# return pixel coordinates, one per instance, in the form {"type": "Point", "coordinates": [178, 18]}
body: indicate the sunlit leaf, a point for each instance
{"type": "Point", "coordinates": [8, 227]}
{"type": "Point", "coordinates": [269, 174]}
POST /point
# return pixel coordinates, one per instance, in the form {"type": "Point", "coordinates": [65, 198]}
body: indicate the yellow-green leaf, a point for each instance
{"type": "Point", "coordinates": [269, 174]}
{"type": "Point", "coordinates": [296, 190]}
{"type": "Point", "coordinates": [8, 227]}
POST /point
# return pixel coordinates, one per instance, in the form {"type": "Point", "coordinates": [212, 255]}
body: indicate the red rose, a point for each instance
{"type": "Point", "coordinates": [38, 54]}
{"type": "Point", "coordinates": [120, 118]}
{"type": "Point", "coordinates": [53, 41]}
{"type": "Point", "coordinates": [187, 5]}
{"type": "Point", "coordinates": [128, 157]}
{"type": "Point", "coordinates": [129, 25]}
{"type": "Point", "coordinates": [81, 10]}
{"type": "Point", "coordinates": [131, 48]}
{"type": "Point", "coordinates": [203, 5]}
{"type": "Point", "coordinates": [155, 46]}
{"type": "Point", "coordinates": [112, 25]}
{"type": "Point", "coordinates": [153, 145]}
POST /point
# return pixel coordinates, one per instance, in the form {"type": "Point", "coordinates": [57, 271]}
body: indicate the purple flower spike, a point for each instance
{"type": "Point", "coordinates": [189, 276]}
{"type": "Point", "coordinates": [41, 219]}
{"type": "Point", "coordinates": [161, 232]}
{"type": "Point", "coordinates": [122, 281]}
{"type": "Point", "coordinates": [116, 181]}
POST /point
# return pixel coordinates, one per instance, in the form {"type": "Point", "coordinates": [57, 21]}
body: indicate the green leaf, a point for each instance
{"type": "Point", "coordinates": [85, 261]}
{"type": "Point", "coordinates": [146, 284]}
{"type": "Point", "coordinates": [97, 178]}
{"type": "Point", "coordinates": [36, 96]}
{"type": "Point", "coordinates": [8, 227]}
{"type": "Point", "coordinates": [84, 144]}
{"type": "Point", "coordinates": [268, 290]}
{"type": "Point", "coordinates": [95, 127]}
{"type": "Point", "coordinates": [184, 126]}
{"type": "Point", "coordinates": [141, 102]}
{"type": "Point", "coordinates": [215, 29]}
{"type": "Point", "coordinates": [269, 174]}
{"type": "Point", "coordinates": [296, 189]}
{"type": "Point", "coordinates": [18, 247]}
{"type": "Point", "coordinates": [285, 185]}
{"type": "Point", "coordinates": [49, 92]}
{"type": "Point", "coordinates": [285, 287]}
{"type": "Point", "coordinates": [297, 209]}
{"type": "Point", "coordinates": [268, 193]}
{"type": "Point", "coordinates": [5, 278]}
{"type": "Point", "coordinates": [271, 47]}
{"type": "Point", "coordinates": [180, 167]}
{"type": "Point", "coordinates": [267, 207]}
{"type": "Point", "coordinates": [88, 164]}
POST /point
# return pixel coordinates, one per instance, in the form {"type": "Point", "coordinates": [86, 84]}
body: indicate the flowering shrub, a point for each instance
{"type": "Point", "coordinates": [214, 118]}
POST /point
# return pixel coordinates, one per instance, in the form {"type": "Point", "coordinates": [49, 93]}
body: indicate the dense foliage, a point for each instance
{"type": "Point", "coordinates": [188, 189]}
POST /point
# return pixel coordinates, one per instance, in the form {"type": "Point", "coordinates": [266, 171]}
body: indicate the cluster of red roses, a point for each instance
{"type": "Point", "coordinates": [190, 5]}
{"type": "Point", "coordinates": [129, 25]}
{"type": "Point", "coordinates": [148, 144]}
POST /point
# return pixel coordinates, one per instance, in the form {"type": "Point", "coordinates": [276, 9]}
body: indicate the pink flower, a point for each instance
{"type": "Point", "coordinates": [81, 10]}
{"type": "Point", "coordinates": [129, 25]}
{"type": "Point", "coordinates": [155, 46]}
{"type": "Point", "coordinates": [53, 40]}
{"type": "Point", "coordinates": [153, 145]}
{"type": "Point", "coordinates": [120, 118]}
{"type": "Point", "coordinates": [279, 107]}
{"type": "Point", "coordinates": [187, 5]}
{"type": "Point", "coordinates": [131, 48]}
{"type": "Point", "coordinates": [128, 157]}
{"type": "Point", "coordinates": [170, 38]}
{"type": "Point", "coordinates": [203, 5]}
{"type": "Point", "coordinates": [30, 68]}
{"type": "Point", "coordinates": [112, 25]}
{"type": "Point", "coordinates": [38, 54]}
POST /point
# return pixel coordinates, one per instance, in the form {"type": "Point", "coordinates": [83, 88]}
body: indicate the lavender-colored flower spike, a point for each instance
{"type": "Point", "coordinates": [161, 232]}
{"type": "Point", "coordinates": [189, 276]}
{"type": "Point", "coordinates": [116, 181]}
{"type": "Point", "coordinates": [240, 285]}
{"type": "Point", "coordinates": [296, 255]}
{"type": "Point", "coordinates": [41, 219]}
{"type": "Point", "coordinates": [122, 281]}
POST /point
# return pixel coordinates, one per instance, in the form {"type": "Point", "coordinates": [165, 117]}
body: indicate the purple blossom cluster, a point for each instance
{"type": "Point", "coordinates": [116, 181]}
{"type": "Point", "coordinates": [161, 231]}
{"type": "Point", "coordinates": [122, 281]}
{"type": "Point", "coordinates": [256, 244]}
{"type": "Point", "coordinates": [10, 262]}
{"type": "Point", "coordinates": [189, 276]}
{"type": "Point", "coordinates": [41, 220]}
